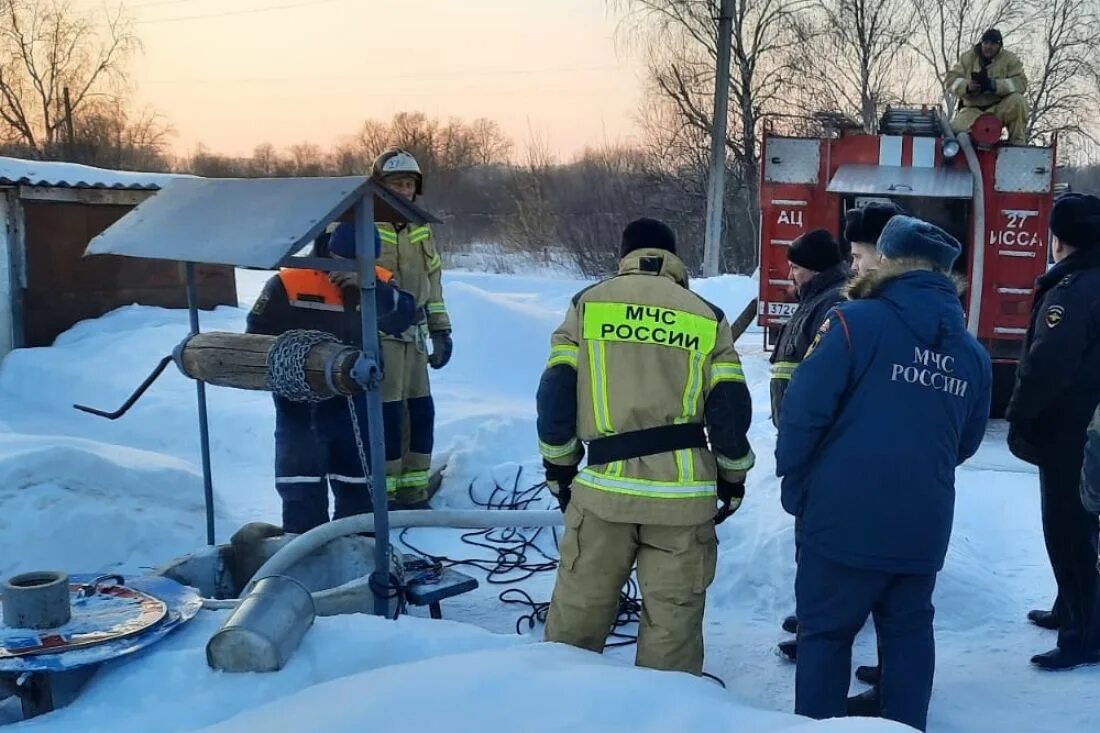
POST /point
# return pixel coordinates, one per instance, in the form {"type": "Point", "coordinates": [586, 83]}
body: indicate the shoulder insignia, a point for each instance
{"type": "Point", "coordinates": [1055, 314]}
{"type": "Point", "coordinates": [1067, 279]}
{"type": "Point", "coordinates": [824, 329]}
{"type": "Point", "coordinates": [260, 304]}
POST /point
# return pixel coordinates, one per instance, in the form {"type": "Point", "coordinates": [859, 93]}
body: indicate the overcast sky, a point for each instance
{"type": "Point", "coordinates": [235, 73]}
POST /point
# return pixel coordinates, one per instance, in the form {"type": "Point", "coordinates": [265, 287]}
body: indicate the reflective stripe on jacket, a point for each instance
{"type": "Point", "coordinates": [640, 351]}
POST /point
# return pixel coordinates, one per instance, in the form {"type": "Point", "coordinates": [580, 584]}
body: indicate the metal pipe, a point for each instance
{"type": "Point", "coordinates": [716, 184]}
{"type": "Point", "coordinates": [200, 391]}
{"type": "Point", "coordinates": [977, 270]}
{"type": "Point", "coordinates": [369, 373]}
{"type": "Point", "coordinates": [305, 544]}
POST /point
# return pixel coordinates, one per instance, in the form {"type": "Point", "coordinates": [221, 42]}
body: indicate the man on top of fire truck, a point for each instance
{"type": "Point", "coordinates": [987, 78]}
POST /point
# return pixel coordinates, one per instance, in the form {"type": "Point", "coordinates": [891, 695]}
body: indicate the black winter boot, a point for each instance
{"type": "Point", "coordinates": [869, 675]}
{"type": "Point", "coordinates": [1044, 619]}
{"type": "Point", "coordinates": [865, 705]}
{"type": "Point", "coordinates": [790, 624]}
{"type": "Point", "coordinates": [1062, 659]}
{"type": "Point", "coordinates": [789, 649]}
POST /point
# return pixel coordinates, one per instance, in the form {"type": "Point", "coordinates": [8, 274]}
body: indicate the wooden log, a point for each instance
{"type": "Point", "coordinates": [239, 360]}
{"type": "Point", "coordinates": [744, 320]}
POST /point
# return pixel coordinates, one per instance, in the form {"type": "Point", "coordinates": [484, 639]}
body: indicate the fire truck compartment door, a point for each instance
{"type": "Point", "coordinates": [878, 180]}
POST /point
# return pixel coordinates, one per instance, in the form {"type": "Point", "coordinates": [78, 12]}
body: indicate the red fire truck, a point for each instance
{"type": "Point", "coordinates": [993, 197]}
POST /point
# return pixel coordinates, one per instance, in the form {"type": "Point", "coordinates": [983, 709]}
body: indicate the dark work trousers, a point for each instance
{"type": "Point", "coordinates": [1071, 540]}
{"type": "Point", "coordinates": [834, 601]}
{"type": "Point", "coordinates": [314, 449]}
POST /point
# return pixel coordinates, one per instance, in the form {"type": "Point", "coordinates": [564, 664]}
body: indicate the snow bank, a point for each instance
{"type": "Point", "coordinates": [360, 673]}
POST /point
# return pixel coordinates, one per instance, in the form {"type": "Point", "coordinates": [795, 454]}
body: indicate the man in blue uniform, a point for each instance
{"type": "Point", "coordinates": [895, 375]}
{"type": "Point", "coordinates": [1057, 390]}
{"type": "Point", "coordinates": [315, 442]}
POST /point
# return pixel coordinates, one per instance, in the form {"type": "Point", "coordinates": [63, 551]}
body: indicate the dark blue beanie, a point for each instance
{"type": "Point", "coordinates": [342, 241]}
{"type": "Point", "coordinates": [1075, 219]}
{"type": "Point", "coordinates": [909, 237]}
{"type": "Point", "coordinates": [647, 233]}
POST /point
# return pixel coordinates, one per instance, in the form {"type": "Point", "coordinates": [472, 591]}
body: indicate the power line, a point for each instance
{"type": "Point", "coordinates": [226, 14]}
{"type": "Point", "coordinates": [388, 77]}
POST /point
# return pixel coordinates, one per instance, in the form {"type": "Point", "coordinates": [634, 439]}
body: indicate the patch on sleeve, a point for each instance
{"type": "Point", "coordinates": [824, 329]}
{"type": "Point", "coordinates": [260, 304]}
{"type": "Point", "coordinates": [1055, 314]}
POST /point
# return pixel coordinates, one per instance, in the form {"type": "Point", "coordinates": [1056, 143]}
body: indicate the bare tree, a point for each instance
{"type": "Point", "coordinates": [680, 39]}
{"type": "Point", "coordinates": [855, 55]}
{"type": "Point", "coordinates": [46, 48]}
{"type": "Point", "coordinates": [1065, 64]}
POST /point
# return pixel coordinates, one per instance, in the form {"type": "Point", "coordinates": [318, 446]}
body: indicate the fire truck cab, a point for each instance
{"type": "Point", "coordinates": [993, 197]}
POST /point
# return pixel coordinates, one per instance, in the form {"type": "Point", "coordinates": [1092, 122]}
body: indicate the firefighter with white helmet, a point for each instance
{"type": "Point", "coordinates": [408, 410]}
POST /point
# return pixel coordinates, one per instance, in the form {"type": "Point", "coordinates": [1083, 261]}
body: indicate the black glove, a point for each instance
{"type": "Point", "coordinates": [442, 346]}
{"type": "Point", "coordinates": [988, 84]}
{"type": "Point", "coordinates": [730, 495]}
{"type": "Point", "coordinates": [563, 476]}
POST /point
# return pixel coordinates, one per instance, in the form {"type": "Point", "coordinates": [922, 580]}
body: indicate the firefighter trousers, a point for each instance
{"type": "Point", "coordinates": [1011, 111]}
{"type": "Point", "coordinates": [408, 414]}
{"type": "Point", "coordinates": [675, 567]}
{"type": "Point", "coordinates": [314, 449]}
{"type": "Point", "coordinates": [834, 601]}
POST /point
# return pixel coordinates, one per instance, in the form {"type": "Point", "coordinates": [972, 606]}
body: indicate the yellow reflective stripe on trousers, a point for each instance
{"type": "Point", "coordinates": [563, 354]}
{"type": "Point", "coordinates": [784, 369]}
{"type": "Point", "coordinates": [693, 387]}
{"type": "Point", "coordinates": [648, 324]}
{"type": "Point", "coordinates": [548, 450]}
{"type": "Point", "coordinates": [597, 370]}
{"type": "Point", "coordinates": [601, 481]}
{"type": "Point", "coordinates": [741, 464]}
{"type": "Point", "coordinates": [727, 372]}
{"type": "Point", "coordinates": [392, 483]}
{"type": "Point", "coordinates": [413, 480]}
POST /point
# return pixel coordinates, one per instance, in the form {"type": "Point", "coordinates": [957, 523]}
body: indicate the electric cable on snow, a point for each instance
{"type": "Point", "coordinates": [519, 558]}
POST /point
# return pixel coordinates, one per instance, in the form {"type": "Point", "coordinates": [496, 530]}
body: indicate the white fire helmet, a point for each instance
{"type": "Point", "coordinates": [397, 161]}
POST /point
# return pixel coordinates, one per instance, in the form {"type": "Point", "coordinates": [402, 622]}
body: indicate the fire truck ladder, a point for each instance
{"type": "Point", "coordinates": [917, 121]}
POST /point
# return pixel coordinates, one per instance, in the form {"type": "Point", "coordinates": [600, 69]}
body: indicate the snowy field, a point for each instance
{"type": "Point", "coordinates": [83, 494]}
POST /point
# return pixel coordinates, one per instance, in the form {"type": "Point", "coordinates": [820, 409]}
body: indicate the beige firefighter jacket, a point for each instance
{"type": "Point", "coordinates": [639, 351]}
{"type": "Point", "coordinates": [410, 254]}
{"type": "Point", "coordinates": [1005, 69]}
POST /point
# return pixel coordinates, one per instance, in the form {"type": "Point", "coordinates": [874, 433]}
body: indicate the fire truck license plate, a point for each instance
{"type": "Point", "coordinates": [782, 310]}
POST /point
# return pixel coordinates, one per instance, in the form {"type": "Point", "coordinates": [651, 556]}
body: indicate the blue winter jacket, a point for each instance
{"type": "Point", "coordinates": [893, 396]}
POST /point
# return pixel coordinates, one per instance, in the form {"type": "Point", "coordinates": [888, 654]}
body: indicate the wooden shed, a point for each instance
{"type": "Point", "coordinates": [49, 212]}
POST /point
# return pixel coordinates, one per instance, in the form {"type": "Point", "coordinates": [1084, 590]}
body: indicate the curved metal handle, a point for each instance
{"type": "Point", "coordinates": [133, 398]}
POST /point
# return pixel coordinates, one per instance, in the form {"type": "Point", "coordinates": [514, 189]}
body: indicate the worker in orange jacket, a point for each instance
{"type": "Point", "coordinates": [315, 441]}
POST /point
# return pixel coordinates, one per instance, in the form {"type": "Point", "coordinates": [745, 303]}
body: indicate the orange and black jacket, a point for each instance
{"type": "Point", "coordinates": [306, 299]}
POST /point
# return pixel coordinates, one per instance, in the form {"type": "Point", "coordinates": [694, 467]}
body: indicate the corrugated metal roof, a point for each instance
{"type": "Point", "coordinates": [53, 174]}
{"type": "Point", "coordinates": [243, 222]}
{"type": "Point", "coordinates": [881, 180]}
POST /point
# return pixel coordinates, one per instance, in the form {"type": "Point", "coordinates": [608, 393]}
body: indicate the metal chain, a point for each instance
{"type": "Point", "coordinates": [359, 444]}
{"type": "Point", "coordinates": [286, 365]}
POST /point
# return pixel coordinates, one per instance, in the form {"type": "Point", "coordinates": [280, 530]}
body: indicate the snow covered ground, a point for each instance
{"type": "Point", "coordinates": [83, 494]}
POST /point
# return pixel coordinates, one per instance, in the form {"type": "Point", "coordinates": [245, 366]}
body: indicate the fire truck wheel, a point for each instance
{"type": "Point", "coordinates": [1004, 379]}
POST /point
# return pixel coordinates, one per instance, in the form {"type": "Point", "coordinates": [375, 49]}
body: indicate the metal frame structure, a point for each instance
{"type": "Point", "coordinates": [183, 204]}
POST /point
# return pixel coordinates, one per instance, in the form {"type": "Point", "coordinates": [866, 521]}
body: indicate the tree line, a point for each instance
{"type": "Point", "coordinates": [797, 67]}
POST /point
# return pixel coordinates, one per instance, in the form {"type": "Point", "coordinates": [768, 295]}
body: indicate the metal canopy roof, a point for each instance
{"type": "Point", "coordinates": [54, 174]}
{"type": "Point", "coordinates": [876, 180]}
{"type": "Point", "coordinates": [244, 222]}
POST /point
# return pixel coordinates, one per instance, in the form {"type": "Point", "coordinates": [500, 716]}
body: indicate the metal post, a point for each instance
{"type": "Point", "coordinates": [368, 372]}
{"type": "Point", "coordinates": [204, 425]}
{"type": "Point", "coordinates": [716, 181]}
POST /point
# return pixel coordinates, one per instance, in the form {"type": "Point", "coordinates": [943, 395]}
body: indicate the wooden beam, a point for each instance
{"type": "Point", "coordinates": [93, 196]}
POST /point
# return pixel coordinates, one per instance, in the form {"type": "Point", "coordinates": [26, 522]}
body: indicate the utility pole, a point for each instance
{"type": "Point", "coordinates": [716, 181]}
{"type": "Point", "coordinates": [69, 122]}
